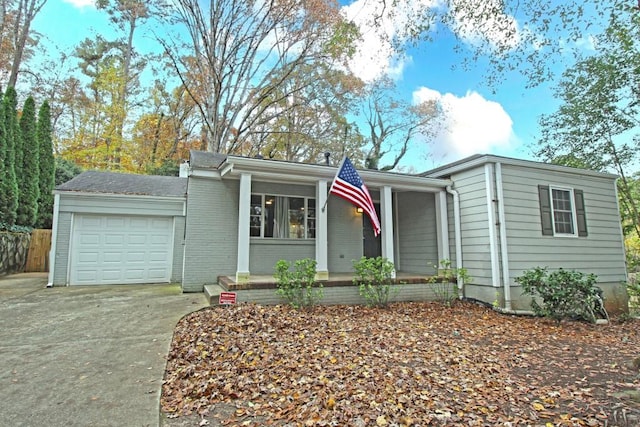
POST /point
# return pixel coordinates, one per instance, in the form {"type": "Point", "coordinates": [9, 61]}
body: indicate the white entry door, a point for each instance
{"type": "Point", "coordinates": [120, 249]}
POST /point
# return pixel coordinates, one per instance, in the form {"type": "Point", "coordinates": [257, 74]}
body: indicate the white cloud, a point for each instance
{"type": "Point", "coordinates": [471, 125]}
{"type": "Point", "coordinates": [382, 27]}
{"type": "Point", "coordinates": [80, 4]}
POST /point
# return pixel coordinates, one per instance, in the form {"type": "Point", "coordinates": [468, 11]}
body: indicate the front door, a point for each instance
{"type": "Point", "coordinates": [372, 244]}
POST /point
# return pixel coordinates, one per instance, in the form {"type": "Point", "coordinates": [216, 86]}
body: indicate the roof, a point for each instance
{"type": "Point", "coordinates": [481, 159]}
{"type": "Point", "coordinates": [123, 183]}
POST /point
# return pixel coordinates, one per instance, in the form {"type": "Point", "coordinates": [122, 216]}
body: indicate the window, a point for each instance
{"type": "Point", "coordinates": [282, 217]}
{"type": "Point", "coordinates": [562, 211]}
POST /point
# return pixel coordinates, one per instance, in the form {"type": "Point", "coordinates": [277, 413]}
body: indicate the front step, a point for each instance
{"type": "Point", "coordinates": [212, 293]}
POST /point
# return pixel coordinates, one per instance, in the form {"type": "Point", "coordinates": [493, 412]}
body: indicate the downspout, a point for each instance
{"type": "Point", "coordinates": [504, 252]}
{"type": "Point", "coordinates": [458, 238]}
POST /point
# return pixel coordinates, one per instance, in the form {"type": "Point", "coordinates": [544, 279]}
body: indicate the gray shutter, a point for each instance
{"type": "Point", "coordinates": [581, 216]}
{"type": "Point", "coordinates": [545, 210]}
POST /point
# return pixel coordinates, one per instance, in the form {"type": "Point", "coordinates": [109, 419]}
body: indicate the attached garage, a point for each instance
{"type": "Point", "coordinates": [101, 237]}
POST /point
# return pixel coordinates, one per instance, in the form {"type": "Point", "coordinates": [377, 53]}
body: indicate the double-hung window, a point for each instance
{"type": "Point", "coordinates": [562, 211]}
{"type": "Point", "coordinates": [282, 217]}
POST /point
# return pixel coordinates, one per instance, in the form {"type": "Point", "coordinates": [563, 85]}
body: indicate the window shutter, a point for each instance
{"type": "Point", "coordinates": [545, 210]}
{"type": "Point", "coordinates": [581, 216]}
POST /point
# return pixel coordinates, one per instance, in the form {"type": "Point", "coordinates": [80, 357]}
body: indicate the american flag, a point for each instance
{"type": "Point", "coordinates": [348, 185]}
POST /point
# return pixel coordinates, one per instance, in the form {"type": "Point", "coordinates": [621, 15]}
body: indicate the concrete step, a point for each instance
{"type": "Point", "coordinates": [212, 293]}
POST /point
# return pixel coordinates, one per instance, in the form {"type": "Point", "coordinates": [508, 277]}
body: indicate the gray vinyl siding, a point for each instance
{"type": "Point", "coordinates": [474, 223]}
{"type": "Point", "coordinates": [417, 232]}
{"type": "Point", "coordinates": [211, 236]}
{"type": "Point", "coordinates": [600, 252]}
{"type": "Point", "coordinates": [344, 235]}
{"type": "Point", "coordinates": [104, 204]}
{"type": "Point", "coordinates": [178, 248]}
{"type": "Point", "coordinates": [264, 253]}
{"type": "Point", "coordinates": [63, 237]}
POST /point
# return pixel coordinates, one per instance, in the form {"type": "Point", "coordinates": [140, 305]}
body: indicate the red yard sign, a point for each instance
{"type": "Point", "coordinates": [227, 298]}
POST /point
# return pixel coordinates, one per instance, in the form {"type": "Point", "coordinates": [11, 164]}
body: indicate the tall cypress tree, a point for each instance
{"type": "Point", "coordinates": [46, 177]}
{"type": "Point", "coordinates": [27, 161]}
{"type": "Point", "coordinates": [9, 182]}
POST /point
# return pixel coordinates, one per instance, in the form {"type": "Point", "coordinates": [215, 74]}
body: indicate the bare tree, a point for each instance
{"type": "Point", "coordinates": [394, 124]}
{"type": "Point", "coordinates": [24, 13]}
{"type": "Point", "coordinates": [241, 53]}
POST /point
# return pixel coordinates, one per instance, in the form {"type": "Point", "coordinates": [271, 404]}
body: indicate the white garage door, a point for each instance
{"type": "Point", "coordinates": [113, 249]}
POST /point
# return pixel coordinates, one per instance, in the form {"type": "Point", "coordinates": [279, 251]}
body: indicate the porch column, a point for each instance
{"type": "Point", "coordinates": [244, 211]}
{"type": "Point", "coordinates": [322, 267]}
{"type": "Point", "coordinates": [442, 226]}
{"type": "Point", "coordinates": [386, 211]}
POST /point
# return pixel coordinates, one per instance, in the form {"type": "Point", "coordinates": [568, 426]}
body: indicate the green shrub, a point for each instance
{"type": "Point", "coordinates": [298, 287]}
{"type": "Point", "coordinates": [563, 294]}
{"type": "Point", "coordinates": [633, 290]}
{"type": "Point", "coordinates": [441, 285]}
{"type": "Point", "coordinates": [374, 278]}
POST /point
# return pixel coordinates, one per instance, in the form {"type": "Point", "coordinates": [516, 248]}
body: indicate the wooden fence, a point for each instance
{"type": "Point", "coordinates": [38, 257]}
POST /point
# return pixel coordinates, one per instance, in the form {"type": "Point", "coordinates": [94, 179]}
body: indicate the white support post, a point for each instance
{"type": "Point", "coordinates": [442, 226]}
{"type": "Point", "coordinates": [386, 211]}
{"type": "Point", "coordinates": [54, 239]}
{"type": "Point", "coordinates": [244, 214]}
{"type": "Point", "coordinates": [322, 266]}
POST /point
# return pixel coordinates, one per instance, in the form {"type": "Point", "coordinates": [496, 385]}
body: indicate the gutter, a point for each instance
{"type": "Point", "coordinates": [458, 238]}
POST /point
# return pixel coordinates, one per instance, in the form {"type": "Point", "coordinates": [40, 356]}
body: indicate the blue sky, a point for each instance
{"type": "Point", "coordinates": [477, 121]}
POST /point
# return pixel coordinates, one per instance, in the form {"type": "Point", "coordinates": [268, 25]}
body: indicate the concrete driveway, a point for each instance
{"type": "Point", "coordinates": [85, 356]}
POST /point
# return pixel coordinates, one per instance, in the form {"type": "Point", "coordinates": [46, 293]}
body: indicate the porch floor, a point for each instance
{"type": "Point", "coordinates": [335, 279]}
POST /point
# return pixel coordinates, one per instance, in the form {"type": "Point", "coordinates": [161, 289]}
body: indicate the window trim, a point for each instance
{"type": "Point", "coordinates": [578, 211]}
{"type": "Point", "coordinates": [262, 237]}
{"type": "Point", "coordinates": [574, 216]}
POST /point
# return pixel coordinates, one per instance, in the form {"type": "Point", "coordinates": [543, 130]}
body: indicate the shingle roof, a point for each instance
{"type": "Point", "coordinates": [122, 183]}
{"type": "Point", "coordinates": [206, 159]}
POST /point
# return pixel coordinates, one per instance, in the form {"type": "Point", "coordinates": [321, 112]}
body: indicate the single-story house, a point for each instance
{"type": "Point", "coordinates": [236, 216]}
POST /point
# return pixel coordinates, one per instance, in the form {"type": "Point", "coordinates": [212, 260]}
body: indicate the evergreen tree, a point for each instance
{"type": "Point", "coordinates": [4, 183]}
{"type": "Point", "coordinates": [47, 167]}
{"type": "Point", "coordinates": [27, 160]}
{"type": "Point", "coordinates": [9, 193]}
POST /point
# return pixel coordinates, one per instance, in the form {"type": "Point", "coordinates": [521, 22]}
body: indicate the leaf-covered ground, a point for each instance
{"type": "Point", "coordinates": [412, 364]}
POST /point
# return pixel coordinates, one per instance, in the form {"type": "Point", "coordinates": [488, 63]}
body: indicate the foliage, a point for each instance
{"type": "Point", "coordinates": [298, 286]}
{"type": "Point", "coordinates": [65, 170]}
{"type": "Point", "coordinates": [564, 294]}
{"type": "Point", "coordinates": [46, 176]}
{"type": "Point", "coordinates": [633, 290]}
{"type": "Point", "coordinates": [29, 166]}
{"type": "Point", "coordinates": [355, 366]}
{"type": "Point", "coordinates": [8, 136]}
{"type": "Point", "coordinates": [12, 228]}
{"type": "Point", "coordinates": [444, 284]}
{"type": "Point", "coordinates": [374, 278]}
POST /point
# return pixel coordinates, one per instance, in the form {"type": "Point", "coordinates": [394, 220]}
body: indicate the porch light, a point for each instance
{"type": "Point", "coordinates": [359, 210]}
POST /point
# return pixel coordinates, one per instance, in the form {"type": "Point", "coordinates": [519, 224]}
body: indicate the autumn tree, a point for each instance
{"type": "Point", "coordinates": [46, 173]}
{"type": "Point", "coordinates": [240, 55]}
{"type": "Point", "coordinates": [16, 17]}
{"type": "Point", "coordinates": [8, 135]}
{"type": "Point", "coordinates": [311, 121]}
{"type": "Point", "coordinates": [29, 166]}
{"type": "Point", "coordinates": [393, 124]}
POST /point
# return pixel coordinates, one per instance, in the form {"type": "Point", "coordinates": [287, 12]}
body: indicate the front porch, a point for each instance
{"type": "Point", "coordinates": [338, 289]}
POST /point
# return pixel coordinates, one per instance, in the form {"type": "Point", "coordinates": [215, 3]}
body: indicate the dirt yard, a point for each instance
{"type": "Point", "coordinates": [412, 364]}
